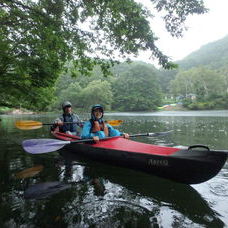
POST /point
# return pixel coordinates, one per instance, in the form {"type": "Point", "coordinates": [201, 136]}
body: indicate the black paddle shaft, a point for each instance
{"type": "Point", "coordinates": [63, 123]}
{"type": "Point", "coordinates": [131, 136]}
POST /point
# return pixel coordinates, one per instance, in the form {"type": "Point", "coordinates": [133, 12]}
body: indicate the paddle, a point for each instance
{"type": "Point", "coordinates": [30, 172]}
{"type": "Point", "coordinates": [44, 190]}
{"type": "Point", "coordinates": [31, 124]}
{"type": "Point", "coordinates": [40, 146]}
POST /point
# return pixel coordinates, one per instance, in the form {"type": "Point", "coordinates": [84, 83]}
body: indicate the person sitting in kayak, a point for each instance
{"type": "Point", "coordinates": [68, 122]}
{"type": "Point", "coordinates": [96, 128]}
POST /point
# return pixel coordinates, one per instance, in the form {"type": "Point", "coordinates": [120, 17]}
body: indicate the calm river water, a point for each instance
{"type": "Point", "coordinates": [63, 190]}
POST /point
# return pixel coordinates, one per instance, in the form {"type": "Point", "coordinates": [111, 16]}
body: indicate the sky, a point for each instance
{"type": "Point", "coordinates": [202, 29]}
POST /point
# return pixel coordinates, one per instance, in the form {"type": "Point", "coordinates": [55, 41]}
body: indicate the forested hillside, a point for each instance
{"type": "Point", "coordinates": [201, 80]}
{"type": "Point", "coordinates": [131, 87]}
{"type": "Point", "coordinates": [214, 55]}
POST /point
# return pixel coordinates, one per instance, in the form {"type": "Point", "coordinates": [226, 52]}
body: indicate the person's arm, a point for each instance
{"type": "Point", "coordinates": [115, 132]}
{"type": "Point", "coordinates": [87, 134]}
{"type": "Point", "coordinates": [86, 131]}
{"type": "Point", "coordinates": [57, 122]}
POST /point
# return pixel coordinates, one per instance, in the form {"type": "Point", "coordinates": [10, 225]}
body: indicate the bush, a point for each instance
{"type": "Point", "coordinates": [5, 110]}
{"type": "Point", "coordinates": [202, 105]}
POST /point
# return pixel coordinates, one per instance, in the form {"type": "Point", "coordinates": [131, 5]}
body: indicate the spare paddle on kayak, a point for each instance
{"type": "Point", "coordinates": [40, 146]}
{"type": "Point", "coordinates": [32, 125]}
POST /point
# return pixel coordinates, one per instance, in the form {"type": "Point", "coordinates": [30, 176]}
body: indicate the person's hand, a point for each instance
{"type": "Point", "coordinates": [59, 123]}
{"type": "Point", "coordinates": [96, 139]}
{"type": "Point", "coordinates": [126, 136]}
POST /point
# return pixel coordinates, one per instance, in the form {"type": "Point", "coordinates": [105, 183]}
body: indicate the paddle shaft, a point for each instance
{"type": "Point", "coordinates": [108, 121]}
{"type": "Point", "coordinates": [112, 137]}
{"type": "Point", "coordinates": [151, 134]}
{"type": "Point", "coordinates": [63, 123]}
{"type": "Point", "coordinates": [111, 122]}
{"type": "Point", "coordinates": [38, 146]}
{"type": "Point", "coordinates": [131, 136]}
{"type": "Point", "coordinates": [32, 125]}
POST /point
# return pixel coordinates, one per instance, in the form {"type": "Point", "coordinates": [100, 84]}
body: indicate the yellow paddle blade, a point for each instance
{"type": "Point", "coordinates": [114, 122]}
{"type": "Point", "coordinates": [30, 172]}
{"type": "Point", "coordinates": [28, 124]}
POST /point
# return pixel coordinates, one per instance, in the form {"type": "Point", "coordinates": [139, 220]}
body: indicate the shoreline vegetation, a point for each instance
{"type": "Point", "coordinates": [20, 111]}
{"type": "Point", "coordinates": [14, 111]}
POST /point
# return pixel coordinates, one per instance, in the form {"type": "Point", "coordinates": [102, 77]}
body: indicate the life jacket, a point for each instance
{"type": "Point", "coordinates": [99, 126]}
{"type": "Point", "coordinates": [69, 127]}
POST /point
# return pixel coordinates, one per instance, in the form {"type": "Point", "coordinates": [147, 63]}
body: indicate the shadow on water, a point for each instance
{"type": "Point", "coordinates": [183, 200]}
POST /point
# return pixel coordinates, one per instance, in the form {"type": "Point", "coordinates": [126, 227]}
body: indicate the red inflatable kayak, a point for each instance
{"type": "Point", "coordinates": [193, 165]}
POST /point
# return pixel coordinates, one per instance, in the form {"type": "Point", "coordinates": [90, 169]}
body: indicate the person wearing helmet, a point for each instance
{"type": "Point", "coordinates": [96, 128]}
{"type": "Point", "coordinates": [68, 122]}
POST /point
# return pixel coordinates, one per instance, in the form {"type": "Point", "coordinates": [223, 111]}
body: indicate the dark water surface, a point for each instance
{"type": "Point", "coordinates": [64, 190]}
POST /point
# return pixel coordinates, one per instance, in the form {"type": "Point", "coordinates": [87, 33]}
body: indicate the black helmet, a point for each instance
{"type": "Point", "coordinates": [66, 104]}
{"type": "Point", "coordinates": [97, 106]}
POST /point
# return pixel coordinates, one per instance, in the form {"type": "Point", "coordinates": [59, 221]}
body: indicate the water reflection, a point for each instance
{"type": "Point", "coordinates": [106, 196]}
{"type": "Point", "coordinates": [44, 190]}
{"type": "Point", "coordinates": [132, 193]}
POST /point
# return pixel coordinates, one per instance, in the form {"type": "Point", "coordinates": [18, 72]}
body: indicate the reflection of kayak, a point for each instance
{"type": "Point", "coordinates": [190, 166]}
{"type": "Point", "coordinates": [164, 192]}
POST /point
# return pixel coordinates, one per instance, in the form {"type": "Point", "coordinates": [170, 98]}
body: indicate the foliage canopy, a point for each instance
{"type": "Point", "coordinates": [38, 37]}
{"type": "Point", "coordinates": [137, 90]}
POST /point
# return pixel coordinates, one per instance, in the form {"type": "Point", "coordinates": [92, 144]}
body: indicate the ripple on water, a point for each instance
{"type": "Point", "coordinates": [219, 187]}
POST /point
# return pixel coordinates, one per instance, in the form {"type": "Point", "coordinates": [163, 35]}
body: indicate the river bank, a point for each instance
{"type": "Point", "coordinates": [14, 111]}
{"type": "Point", "coordinates": [20, 111]}
{"type": "Point", "coordinates": [172, 107]}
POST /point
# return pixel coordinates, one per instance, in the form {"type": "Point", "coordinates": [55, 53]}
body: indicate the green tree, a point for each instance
{"type": "Point", "coordinates": [70, 93]}
{"type": "Point", "coordinates": [224, 72]}
{"type": "Point", "coordinates": [206, 84]}
{"type": "Point", "coordinates": [38, 37]}
{"type": "Point", "coordinates": [137, 90]}
{"type": "Point", "coordinates": [97, 92]}
{"type": "Point", "coordinates": [201, 81]}
{"type": "Point", "coordinates": [182, 85]}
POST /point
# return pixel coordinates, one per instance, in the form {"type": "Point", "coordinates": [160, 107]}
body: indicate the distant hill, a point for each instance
{"type": "Point", "coordinates": [213, 54]}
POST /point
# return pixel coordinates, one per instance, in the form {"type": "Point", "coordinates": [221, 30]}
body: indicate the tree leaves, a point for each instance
{"type": "Point", "coordinates": [137, 90]}
{"type": "Point", "coordinates": [41, 36]}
